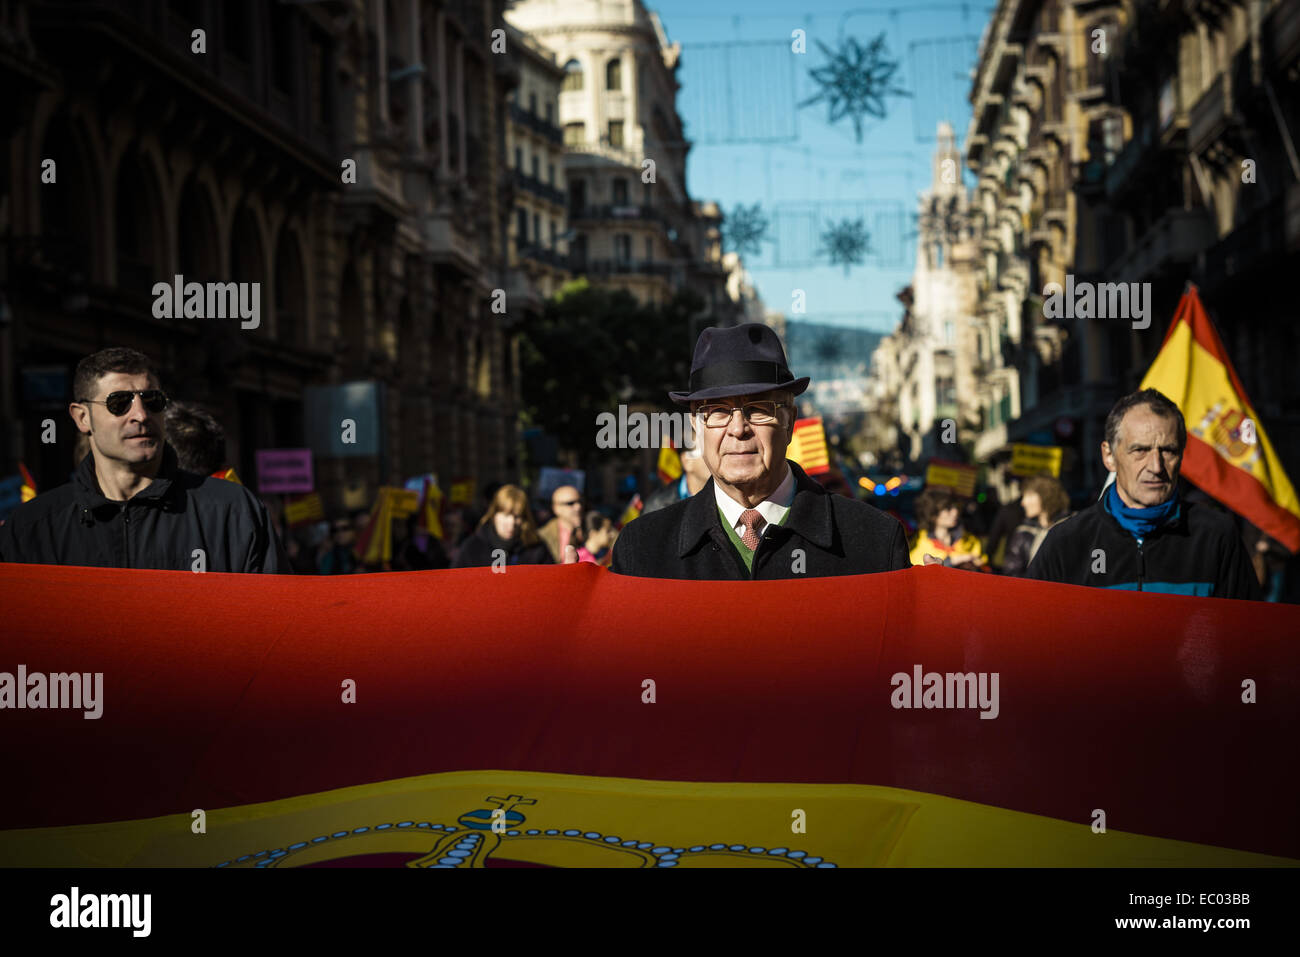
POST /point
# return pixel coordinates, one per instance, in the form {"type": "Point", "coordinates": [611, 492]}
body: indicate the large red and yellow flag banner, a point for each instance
{"type": "Point", "coordinates": [473, 719]}
{"type": "Point", "coordinates": [1228, 453]}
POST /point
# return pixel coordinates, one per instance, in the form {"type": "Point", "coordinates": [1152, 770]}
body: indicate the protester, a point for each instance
{"type": "Point", "coordinates": [340, 558]}
{"type": "Point", "coordinates": [566, 527]}
{"type": "Point", "coordinates": [759, 516]}
{"type": "Point", "coordinates": [940, 534]}
{"type": "Point", "coordinates": [197, 437]}
{"type": "Point", "coordinates": [1142, 535]}
{"type": "Point", "coordinates": [1046, 504]}
{"type": "Point", "coordinates": [601, 534]}
{"type": "Point", "coordinates": [1010, 516]}
{"type": "Point", "coordinates": [693, 478]}
{"type": "Point", "coordinates": [130, 504]}
{"type": "Point", "coordinates": [419, 550]}
{"type": "Point", "coordinates": [506, 535]}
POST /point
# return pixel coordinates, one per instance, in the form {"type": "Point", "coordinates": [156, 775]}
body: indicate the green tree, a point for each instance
{"type": "Point", "coordinates": [594, 349]}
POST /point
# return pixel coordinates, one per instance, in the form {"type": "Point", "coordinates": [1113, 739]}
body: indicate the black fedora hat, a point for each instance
{"type": "Point", "coordinates": [738, 360]}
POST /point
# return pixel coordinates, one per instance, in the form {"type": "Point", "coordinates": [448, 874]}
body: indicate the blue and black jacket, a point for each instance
{"type": "Point", "coordinates": [1199, 552]}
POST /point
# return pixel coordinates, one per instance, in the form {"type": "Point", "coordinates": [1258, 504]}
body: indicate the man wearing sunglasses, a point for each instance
{"type": "Point", "coordinates": [759, 516]}
{"type": "Point", "coordinates": [130, 505]}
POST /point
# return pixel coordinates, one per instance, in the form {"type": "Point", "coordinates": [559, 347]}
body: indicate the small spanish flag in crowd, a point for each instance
{"type": "Point", "coordinates": [1228, 453]}
{"type": "Point", "coordinates": [808, 446]}
{"type": "Point", "coordinates": [227, 474]}
{"type": "Point", "coordinates": [670, 464]}
{"type": "Point", "coordinates": [632, 511]}
{"type": "Point", "coordinates": [28, 490]}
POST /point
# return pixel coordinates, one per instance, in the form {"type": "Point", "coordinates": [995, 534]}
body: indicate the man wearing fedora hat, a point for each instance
{"type": "Point", "coordinates": [759, 516]}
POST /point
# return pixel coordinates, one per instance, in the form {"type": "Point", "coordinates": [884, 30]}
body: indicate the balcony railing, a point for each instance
{"type": "Point", "coordinates": [535, 186]}
{"type": "Point", "coordinates": [542, 254]}
{"type": "Point", "coordinates": [537, 124]}
{"type": "Point", "coordinates": [629, 266]}
{"type": "Point", "coordinates": [620, 213]}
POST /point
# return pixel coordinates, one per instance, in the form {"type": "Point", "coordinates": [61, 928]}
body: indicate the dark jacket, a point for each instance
{"type": "Point", "coordinates": [1199, 553]}
{"type": "Point", "coordinates": [160, 527]}
{"type": "Point", "coordinates": [1024, 544]}
{"type": "Point", "coordinates": [836, 535]}
{"type": "Point", "coordinates": [477, 550]}
{"type": "Point", "coordinates": [661, 498]}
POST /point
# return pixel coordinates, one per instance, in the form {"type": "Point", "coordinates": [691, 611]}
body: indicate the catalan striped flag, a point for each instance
{"type": "Point", "coordinates": [547, 717]}
{"type": "Point", "coordinates": [1228, 453]}
{"type": "Point", "coordinates": [808, 446]}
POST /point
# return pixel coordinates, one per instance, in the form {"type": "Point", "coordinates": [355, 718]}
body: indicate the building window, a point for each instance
{"type": "Point", "coordinates": [537, 168]}
{"type": "Point", "coordinates": [623, 247]}
{"type": "Point", "coordinates": [938, 255]}
{"type": "Point", "coordinates": [575, 134]}
{"type": "Point", "coordinates": [238, 29]}
{"type": "Point", "coordinates": [319, 78]}
{"type": "Point", "coordinates": [616, 133]}
{"type": "Point", "coordinates": [282, 71]}
{"type": "Point", "coordinates": [550, 113]}
{"type": "Point", "coordinates": [521, 229]}
{"type": "Point", "coordinates": [519, 157]}
{"type": "Point", "coordinates": [949, 333]}
{"type": "Point", "coordinates": [532, 103]}
{"type": "Point", "coordinates": [550, 173]}
{"type": "Point", "coordinates": [537, 230]}
{"type": "Point", "coordinates": [645, 193]}
{"type": "Point", "coordinates": [614, 74]}
{"type": "Point", "coordinates": [649, 250]}
{"type": "Point", "coordinates": [577, 197]}
{"type": "Point", "coordinates": [555, 234]}
{"type": "Point", "coordinates": [572, 76]}
{"type": "Point", "coordinates": [620, 192]}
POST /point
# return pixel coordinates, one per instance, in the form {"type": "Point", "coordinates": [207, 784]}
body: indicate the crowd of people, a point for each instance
{"type": "Point", "coordinates": [146, 491]}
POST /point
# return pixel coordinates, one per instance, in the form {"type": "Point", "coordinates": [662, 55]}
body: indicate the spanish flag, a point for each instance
{"type": "Point", "coordinates": [547, 717]}
{"type": "Point", "coordinates": [28, 490]}
{"type": "Point", "coordinates": [227, 475]}
{"type": "Point", "coordinates": [1228, 453]}
{"type": "Point", "coordinates": [670, 464]}
{"type": "Point", "coordinates": [633, 510]}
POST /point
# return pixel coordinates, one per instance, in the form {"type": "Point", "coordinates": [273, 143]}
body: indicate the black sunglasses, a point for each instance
{"type": "Point", "coordinates": [119, 403]}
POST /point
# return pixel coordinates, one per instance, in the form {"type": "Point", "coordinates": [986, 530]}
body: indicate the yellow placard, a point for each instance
{"type": "Point", "coordinates": [959, 478]}
{"type": "Point", "coordinates": [1036, 459]}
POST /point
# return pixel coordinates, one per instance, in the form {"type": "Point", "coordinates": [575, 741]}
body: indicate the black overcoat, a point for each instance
{"type": "Point", "coordinates": [823, 535]}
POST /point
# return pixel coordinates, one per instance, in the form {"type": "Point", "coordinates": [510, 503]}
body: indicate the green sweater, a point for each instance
{"type": "Point", "coordinates": [745, 554]}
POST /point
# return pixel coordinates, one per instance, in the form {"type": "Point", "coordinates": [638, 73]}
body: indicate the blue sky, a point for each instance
{"type": "Point", "coordinates": [752, 143]}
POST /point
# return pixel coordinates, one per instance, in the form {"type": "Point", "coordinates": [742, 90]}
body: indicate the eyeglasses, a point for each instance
{"type": "Point", "coordinates": [755, 413]}
{"type": "Point", "coordinates": [119, 403]}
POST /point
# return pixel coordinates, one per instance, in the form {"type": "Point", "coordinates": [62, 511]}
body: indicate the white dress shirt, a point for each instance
{"type": "Point", "coordinates": [773, 508]}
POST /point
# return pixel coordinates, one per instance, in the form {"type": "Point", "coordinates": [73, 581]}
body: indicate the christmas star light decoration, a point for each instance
{"type": "Point", "coordinates": [856, 80]}
{"type": "Point", "coordinates": [745, 230]}
{"type": "Point", "coordinates": [847, 243]}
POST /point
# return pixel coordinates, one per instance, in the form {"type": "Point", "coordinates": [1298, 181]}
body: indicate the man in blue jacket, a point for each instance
{"type": "Point", "coordinates": [130, 505]}
{"type": "Point", "coordinates": [1142, 535]}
